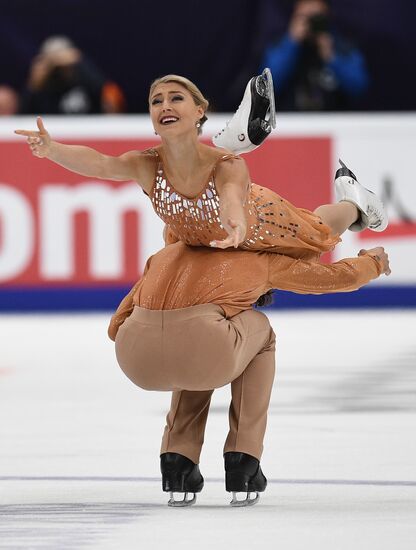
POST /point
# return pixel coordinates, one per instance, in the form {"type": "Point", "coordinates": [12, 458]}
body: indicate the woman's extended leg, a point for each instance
{"type": "Point", "coordinates": [339, 217]}
{"type": "Point", "coordinates": [357, 207]}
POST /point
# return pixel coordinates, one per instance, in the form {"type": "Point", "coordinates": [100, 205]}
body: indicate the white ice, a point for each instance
{"type": "Point", "coordinates": [79, 444]}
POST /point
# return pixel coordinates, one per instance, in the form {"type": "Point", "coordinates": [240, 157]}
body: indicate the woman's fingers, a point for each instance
{"type": "Point", "coordinates": [41, 127]}
{"type": "Point", "coordinates": [238, 232]}
{"type": "Point", "coordinates": [25, 132]}
{"type": "Point", "coordinates": [235, 236]}
{"type": "Point", "coordinates": [232, 240]}
{"type": "Point", "coordinates": [35, 140]}
{"type": "Point", "coordinates": [35, 143]}
{"type": "Point", "coordinates": [32, 137]}
{"type": "Point", "coordinates": [226, 243]}
{"type": "Point", "coordinates": [32, 133]}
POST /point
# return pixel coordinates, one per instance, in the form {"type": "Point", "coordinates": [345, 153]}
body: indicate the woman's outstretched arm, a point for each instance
{"type": "Point", "coordinates": [82, 160]}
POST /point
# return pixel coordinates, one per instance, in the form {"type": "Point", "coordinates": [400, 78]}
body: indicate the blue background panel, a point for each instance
{"type": "Point", "coordinates": [22, 299]}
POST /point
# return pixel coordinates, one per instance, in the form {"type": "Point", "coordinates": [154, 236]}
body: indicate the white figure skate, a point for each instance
{"type": "Point", "coordinates": [373, 214]}
{"type": "Point", "coordinates": [254, 119]}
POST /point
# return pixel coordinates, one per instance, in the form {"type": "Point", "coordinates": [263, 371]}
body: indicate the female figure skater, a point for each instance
{"type": "Point", "coordinates": [188, 326]}
{"type": "Point", "coordinates": [205, 197]}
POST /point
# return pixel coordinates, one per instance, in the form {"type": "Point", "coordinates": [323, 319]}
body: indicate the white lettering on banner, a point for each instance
{"type": "Point", "coordinates": [17, 228]}
{"type": "Point", "coordinates": [105, 206]}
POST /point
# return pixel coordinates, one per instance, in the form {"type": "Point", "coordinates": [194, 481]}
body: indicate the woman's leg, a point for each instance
{"type": "Point", "coordinates": [357, 207]}
{"type": "Point", "coordinates": [338, 216]}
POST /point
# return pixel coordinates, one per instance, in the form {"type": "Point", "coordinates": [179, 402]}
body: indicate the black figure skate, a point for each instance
{"type": "Point", "coordinates": [372, 212]}
{"type": "Point", "coordinates": [243, 475]}
{"type": "Point", "coordinates": [180, 475]}
{"type": "Point", "coordinates": [254, 118]}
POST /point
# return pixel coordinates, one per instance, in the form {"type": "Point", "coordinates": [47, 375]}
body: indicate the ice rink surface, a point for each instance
{"type": "Point", "coordinates": [79, 444]}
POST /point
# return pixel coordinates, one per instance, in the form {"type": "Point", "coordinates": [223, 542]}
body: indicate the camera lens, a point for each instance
{"type": "Point", "coordinates": [318, 23]}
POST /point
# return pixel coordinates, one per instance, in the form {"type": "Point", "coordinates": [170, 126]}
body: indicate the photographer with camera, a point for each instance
{"type": "Point", "coordinates": [314, 68]}
{"type": "Point", "coordinates": [63, 81]}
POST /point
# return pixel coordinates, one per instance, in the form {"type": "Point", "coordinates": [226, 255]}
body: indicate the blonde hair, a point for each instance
{"type": "Point", "coordinates": [195, 92]}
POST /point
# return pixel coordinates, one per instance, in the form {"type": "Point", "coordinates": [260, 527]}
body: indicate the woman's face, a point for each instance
{"type": "Point", "coordinates": [173, 110]}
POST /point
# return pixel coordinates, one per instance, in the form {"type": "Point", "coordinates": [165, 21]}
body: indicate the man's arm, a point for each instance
{"type": "Point", "coordinates": [349, 274]}
{"type": "Point", "coordinates": [125, 308]}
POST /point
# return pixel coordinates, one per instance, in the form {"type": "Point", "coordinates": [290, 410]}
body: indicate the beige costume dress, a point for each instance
{"type": "Point", "coordinates": [274, 224]}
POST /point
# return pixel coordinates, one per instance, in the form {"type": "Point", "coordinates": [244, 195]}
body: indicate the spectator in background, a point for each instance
{"type": "Point", "coordinates": [314, 68]}
{"type": "Point", "coordinates": [63, 81]}
{"type": "Point", "coordinates": [9, 101]}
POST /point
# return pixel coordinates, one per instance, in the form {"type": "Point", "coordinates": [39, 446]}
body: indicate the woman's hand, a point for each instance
{"type": "Point", "coordinates": [39, 142]}
{"type": "Point", "coordinates": [236, 233]}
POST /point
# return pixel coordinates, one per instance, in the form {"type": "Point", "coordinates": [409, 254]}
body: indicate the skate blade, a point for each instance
{"type": "Point", "coordinates": [267, 75]}
{"type": "Point", "coordinates": [345, 167]}
{"type": "Point", "coordinates": [235, 503]}
{"type": "Point", "coordinates": [181, 503]}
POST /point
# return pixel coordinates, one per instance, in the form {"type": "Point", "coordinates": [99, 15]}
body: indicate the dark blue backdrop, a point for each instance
{"type": "Point", "coordinates": [216, 43]}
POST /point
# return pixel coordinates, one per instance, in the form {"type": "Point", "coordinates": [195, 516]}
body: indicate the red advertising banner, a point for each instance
{"type": "Point", "coordinates": [61, 229]}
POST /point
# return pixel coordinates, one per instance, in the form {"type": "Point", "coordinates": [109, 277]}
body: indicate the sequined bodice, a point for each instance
{"type": "Point", "coordinates": [272, 222]}
{"type": "Point", "coordinates": [194, 221]}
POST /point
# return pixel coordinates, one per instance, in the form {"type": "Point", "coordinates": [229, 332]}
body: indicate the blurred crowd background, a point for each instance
{"type": "Point", "coordinates": [99, 56]}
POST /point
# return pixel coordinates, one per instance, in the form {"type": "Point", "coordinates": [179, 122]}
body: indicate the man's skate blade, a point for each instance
{"type": "Point", "coordinates": [181, 503]}
{"type": "Point", "coordinates": [267, 75]}
{"type": "Point", "coordinates": [235, 503]}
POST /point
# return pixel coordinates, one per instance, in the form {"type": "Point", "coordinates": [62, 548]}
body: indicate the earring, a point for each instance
{"type": "Point", "coordinates": [198, 124]}
{"type": "Point", "coordinates": [156, 133]}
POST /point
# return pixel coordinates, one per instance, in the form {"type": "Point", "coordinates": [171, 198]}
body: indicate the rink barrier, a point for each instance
{"type": "Point", "coordinates": [107, 299]}
{"type": "Point", "coordinates": [71, 243]}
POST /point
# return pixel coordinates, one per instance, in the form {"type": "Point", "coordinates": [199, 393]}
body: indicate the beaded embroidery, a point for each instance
{"type": "Point", "coordinates": [271, 224]}
{"type": "Point", "coordinates": [201, 212]}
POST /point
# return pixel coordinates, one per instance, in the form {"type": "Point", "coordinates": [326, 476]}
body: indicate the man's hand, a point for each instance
{"type": "Point", "coordinates": [380, 255]}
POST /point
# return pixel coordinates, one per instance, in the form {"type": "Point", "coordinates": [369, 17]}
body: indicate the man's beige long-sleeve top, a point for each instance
{"type": "Point", "coordinates": [180, 276]}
